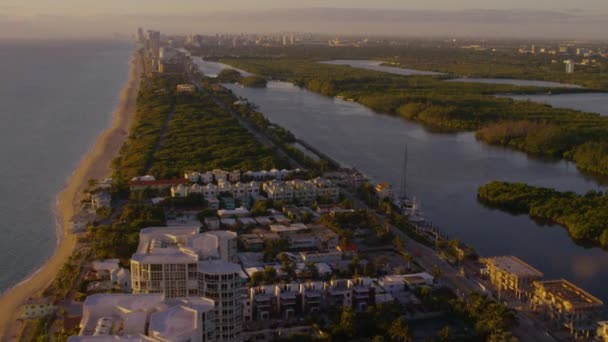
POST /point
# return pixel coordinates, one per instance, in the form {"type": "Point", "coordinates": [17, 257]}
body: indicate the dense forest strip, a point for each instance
{"type": "Point", "coordinates": [199, 135]}
{"type": "Point", "coordinates": [531, 127]}
{"type": "Point", "coordinates": [584, 216]}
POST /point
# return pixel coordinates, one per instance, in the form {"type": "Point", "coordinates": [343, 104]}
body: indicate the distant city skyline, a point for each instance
{"type": "Point", "coordinates": [585, 19]}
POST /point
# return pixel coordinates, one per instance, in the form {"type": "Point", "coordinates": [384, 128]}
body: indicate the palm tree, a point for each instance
{"type": "Point", "coordinates": [400, 331]}
{"type": "Point", "coordinates": [409, 258]}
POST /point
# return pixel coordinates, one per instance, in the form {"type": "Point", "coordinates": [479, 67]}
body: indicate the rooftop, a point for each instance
{"type": "Point", "coordinates": [218, 267]}
{"type": "Point", "coordinates": [514, 265]}
{"type": "Point", "coordinates": [566, 291]}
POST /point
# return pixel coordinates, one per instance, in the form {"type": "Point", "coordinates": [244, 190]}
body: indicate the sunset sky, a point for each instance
{"type": "Point", "coordinates": [492, 18]}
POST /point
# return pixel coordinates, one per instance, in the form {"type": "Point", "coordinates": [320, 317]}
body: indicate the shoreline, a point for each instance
{"type": "Point", "coordinates": [94, 164]}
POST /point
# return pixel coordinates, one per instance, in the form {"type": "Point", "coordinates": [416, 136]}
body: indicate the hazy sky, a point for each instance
{"type": "Point", "coordinates": [521, 18]}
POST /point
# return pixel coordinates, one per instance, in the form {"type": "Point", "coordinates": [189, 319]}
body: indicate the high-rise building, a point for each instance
{"type": "Point", "coordinates": [154, 47]}
{"type": "Point", "coordinates": [167, 257]}
{"type": "Point", "coordinates": [140, 35]}
{"type": "Point", "coordinates": [569, 66]}
{"type": "Point", "coordinates": [221, 281]}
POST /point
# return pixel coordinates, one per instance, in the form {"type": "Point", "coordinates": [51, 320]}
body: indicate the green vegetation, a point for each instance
{"type": "Point", "coordinates": [531, 127]}
{"type": "Point", "coordinates": [584, 216]}
{"type": "Point", "coordinates": [199, 136]}
{"type": "Point", "coordinates": [229, 75]}
{"type": "Point", "coordinates": [254, 81]}
{"type": "Point", "coordinates": [491, 320]}
{"type": "Point", "coordinates": [383, 322]}
{"type": "Point", "coordinates": [202, 136]}
{"type": "Point", "coordinates": [155, 101]}
{"type": "Point", "coordinates": [120, 239]}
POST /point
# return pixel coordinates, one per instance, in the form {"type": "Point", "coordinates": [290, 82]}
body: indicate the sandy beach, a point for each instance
{"type": "Point", "coordinates": [95, 164]}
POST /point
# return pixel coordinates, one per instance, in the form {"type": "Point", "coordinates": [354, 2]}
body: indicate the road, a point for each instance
{"type": "Point", "coordinates": [527, 329]}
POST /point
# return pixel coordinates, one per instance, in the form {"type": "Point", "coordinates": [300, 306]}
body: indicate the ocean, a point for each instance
{"type": "Point", "coordinates": [56, 97]}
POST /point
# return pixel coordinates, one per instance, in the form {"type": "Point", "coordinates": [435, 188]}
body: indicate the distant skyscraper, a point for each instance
{"type": "Point", "coordinates": [292, 40]}
{"type": "Point", "coordinates": [154, 46]}
{"type": "Point", "coordinates": [140, 35]}
{"type": "Point", "coordinates": [569, 66]}
{"type": "Point", "coordinates": [284, 40]}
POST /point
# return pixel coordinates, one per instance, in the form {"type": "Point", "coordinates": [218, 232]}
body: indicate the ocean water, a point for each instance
{"type": "Point", "coordinates": [56, 97]}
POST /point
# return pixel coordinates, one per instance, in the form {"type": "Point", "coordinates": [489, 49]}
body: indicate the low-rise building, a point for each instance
{"type": "Point", "coordinates": [38, 308]}
{"type": "Point", "coordinates": [263, 301]}
{"type": "Point", "coordinates": [313, 294]}
{"type": "Point", "coordinates": [161, 184]}
{"type": "Point", "coordinates": [186, 88]}
{"type": "Point", "coordinates": [101, 200]}
{"type": "Point", "coordinates": [567, 305]}
{"type": "Point", "coordinates": [338, 294]}
{"type": "Point", "coordinates": [287, 296]}
{"type": "Point", "coordinates": [330, 256]}
{"type": "Point", "coordinates": [509, 273]}
{"type": "Point", "coordinates": [384, 191]}
{"type": "Point", "coordinates": [363, 293]}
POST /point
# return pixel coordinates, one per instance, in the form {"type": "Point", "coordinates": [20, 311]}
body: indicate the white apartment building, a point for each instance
{"type": "Point", "coordinates": [221, 281]}
{"type": "Point", "coordinates": [238, 190]}
{"type": "Point", "coordinates": [301, 190]}
{"type": "Point", "coordinates": [167, 257]}
{"type": "Point", "coordinates": [146, 317]}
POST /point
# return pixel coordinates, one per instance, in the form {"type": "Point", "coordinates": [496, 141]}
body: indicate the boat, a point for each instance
{"type": "Point", "coordinates": [414, 213]}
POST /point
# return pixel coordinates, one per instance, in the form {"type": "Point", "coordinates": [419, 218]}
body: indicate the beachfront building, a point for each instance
{"type": "Point", "coordinates": [221, 281]}
{"type": "Point", "coordinates": [511, 274]}
{"type": "Point", "coordinates": [146, 317]}
{"type": "Point", "coordinates": [101, 200]}
{"type": "Point", "coordinates": [567, 305]}
{"type": "Point", "coordinates": [38, 308]}
{"type": "Point", "coordinates": [167, 258]}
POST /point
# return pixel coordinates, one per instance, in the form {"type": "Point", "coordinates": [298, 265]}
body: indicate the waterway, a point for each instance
{"type": "Point", "coordinates": [585, 102]}
{"type": "Point", "coordinates": [444, 173]}
{"type": "Point", "coordinates": [376, 65]}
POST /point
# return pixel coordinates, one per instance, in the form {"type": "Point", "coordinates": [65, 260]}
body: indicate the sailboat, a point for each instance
{"type": "Point", "coordinates": [409, 207]}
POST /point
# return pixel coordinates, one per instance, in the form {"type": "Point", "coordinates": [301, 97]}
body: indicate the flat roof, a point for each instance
{"type": "Point", "coordinates": [514, 265]}
{"type": "Point", "coordinates": [566, 291]}
{"type": "Point", "coordinates": [218, 267]}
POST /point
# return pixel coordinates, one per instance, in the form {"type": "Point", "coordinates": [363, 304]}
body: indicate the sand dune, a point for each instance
{"type": "Point", "coordinates": [95, 164]}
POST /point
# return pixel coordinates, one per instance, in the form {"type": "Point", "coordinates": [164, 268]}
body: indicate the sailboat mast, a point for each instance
{"type": "Point", "coordinates": [404, 175]}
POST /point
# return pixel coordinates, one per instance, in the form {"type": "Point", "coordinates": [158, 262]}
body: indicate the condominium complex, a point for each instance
{"type": "Point", "coordinates": [146, 317]}
{"type": "Point", "coordinates": [221, 281]}
{"type": "Point", "coordinates": [302, 191]}
{"type": "Point", "coordinates": [167, 259]}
